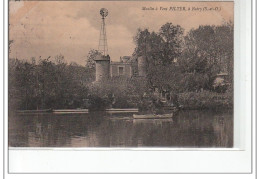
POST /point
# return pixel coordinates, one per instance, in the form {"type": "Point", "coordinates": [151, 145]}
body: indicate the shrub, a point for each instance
{"type": "Point", "coordinates": [116, 93]}
{"type": "Point", "coordinates": [205, 100]}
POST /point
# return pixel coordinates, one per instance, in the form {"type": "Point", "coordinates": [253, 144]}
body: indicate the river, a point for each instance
{"type": "Point", "coordinates": [99, 129]}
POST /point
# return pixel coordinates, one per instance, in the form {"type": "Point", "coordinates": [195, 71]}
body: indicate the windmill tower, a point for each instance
{"type": "Point", "coordinates": [103, 60]}
{"type": "Point", "coordinates": [102, 47]}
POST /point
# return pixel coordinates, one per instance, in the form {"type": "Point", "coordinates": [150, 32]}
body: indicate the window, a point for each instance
{"type": "Point", "coordinates": [120, 71]}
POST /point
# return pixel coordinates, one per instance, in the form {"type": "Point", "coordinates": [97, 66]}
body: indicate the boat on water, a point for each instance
{"type": "Point", "coordinates": [56, 111]}
{"type": "Point", "coordinates": [122, 110]}
{"type": "Point", "coordinates": [152, 116]}
{"type": "Point", "coordinates": [35, 111]}
{"type": "Point", "coordinates": [70, 111]}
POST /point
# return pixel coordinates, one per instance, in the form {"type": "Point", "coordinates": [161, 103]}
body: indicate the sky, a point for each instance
{"type": "Point", "coordinates": [72, 28]}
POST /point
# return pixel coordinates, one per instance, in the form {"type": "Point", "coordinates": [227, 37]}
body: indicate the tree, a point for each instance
{"type": "Point", "coordinates": [24, 85]}
{"type": "Point", "coordinates": [208, 50]}
{"type": "Point", "coordinates": [59, 59]}
{"type": "Point", "coordinates": [225, 39]}
{"type": "Point", "coordinates": [92, 54]}
{"type": "Point", "coordinates": [159, 50]}
{"type": "Point", "coordinates": [173, 41]}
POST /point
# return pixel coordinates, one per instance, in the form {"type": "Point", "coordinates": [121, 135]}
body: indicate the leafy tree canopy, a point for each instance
{"type": "Point", "coordinates": [92, 54]}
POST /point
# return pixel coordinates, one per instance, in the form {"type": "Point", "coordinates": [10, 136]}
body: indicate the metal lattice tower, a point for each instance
{"type": "Point", "coordinates": [102, 47]}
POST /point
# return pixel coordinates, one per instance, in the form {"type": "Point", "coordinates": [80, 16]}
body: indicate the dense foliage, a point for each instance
{"type": "Point", "coordinates": [186, 62]}
{"type": "Point", "coordinates": [205, 100]}
{"type": "Point", "coordinates": [47, 84]}
{"type": "Point", "coordinates": [90, 61]}
{"type": "Point", "coordinates": [183, 64]}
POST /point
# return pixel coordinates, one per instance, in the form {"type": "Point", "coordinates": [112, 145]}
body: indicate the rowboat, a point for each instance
{"type": "Point", "coordinates": [69, 111]}
{"type": "Point", "coordinates": [152, 116]}
{"type": "Point", "coordinates": [121, 110]}
{"type": "Point", "coordinates": [35, 111]}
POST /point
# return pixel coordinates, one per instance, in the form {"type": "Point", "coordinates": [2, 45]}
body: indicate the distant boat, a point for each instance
{"type": "Point", "coordinates": [70, 111]}
{"type": "Point", "coordinates": [35, 111]}
{"type": "Point", "coordinates": [121, 110]}
{"type": "Point", "coordinates": [152, 116]}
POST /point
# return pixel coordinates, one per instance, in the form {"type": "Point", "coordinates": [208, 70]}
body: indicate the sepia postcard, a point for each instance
{"type": "Point", "coordinates": [128, 74]}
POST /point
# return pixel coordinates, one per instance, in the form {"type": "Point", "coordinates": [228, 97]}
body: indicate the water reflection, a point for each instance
{"type": "Point", "coordinates": [99, 129]}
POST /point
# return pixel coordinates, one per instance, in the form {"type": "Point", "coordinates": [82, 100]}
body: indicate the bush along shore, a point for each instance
{"type": "Point", "coordinates": [205, 100]}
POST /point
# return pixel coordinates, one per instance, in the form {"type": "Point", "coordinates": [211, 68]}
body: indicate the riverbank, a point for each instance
{"type": "Point", "coordinates": [186, 101]}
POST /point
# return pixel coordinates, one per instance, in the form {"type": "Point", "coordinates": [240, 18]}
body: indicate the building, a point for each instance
{"type": "Point", "coordinates": [122, 68]}
{"type": "Point", "coordinates": [128, 66]}
{"type": "Point", "coordinates": [105, 68]}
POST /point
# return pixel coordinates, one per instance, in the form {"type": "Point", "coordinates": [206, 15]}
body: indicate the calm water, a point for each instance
{"type": "Point", "coordinates": [187, 129]}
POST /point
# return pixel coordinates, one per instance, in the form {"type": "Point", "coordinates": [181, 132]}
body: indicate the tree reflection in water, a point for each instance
{"type": "Point", "coordinates": [99, 129]}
